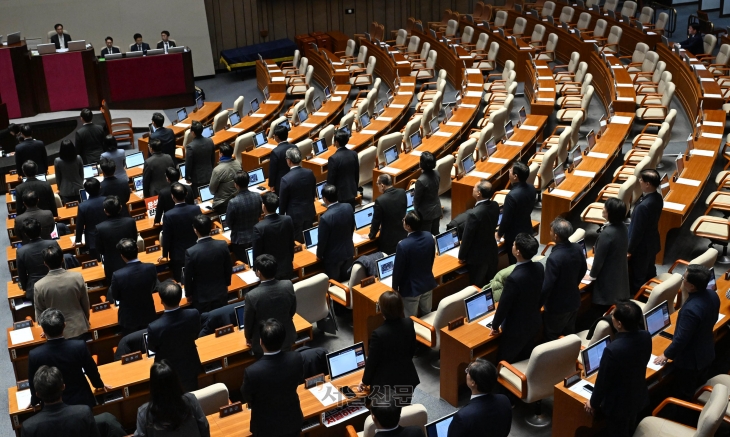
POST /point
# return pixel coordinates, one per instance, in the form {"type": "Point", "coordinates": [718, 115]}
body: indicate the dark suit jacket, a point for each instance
{"type": "Point", "coordinates": [413, 270]}
{"type": "Point", "coordinates": [408, 431]}
{"type": "Point", "coordinates": [208, 270]}
{"type": "Point", "coordinates": [61, 419]}
{"type": "Point", "coordinates": [153, 173]}
{"type": "Point", "coordinates": [108, 234]}
{"type": "Point", "coordinates": [242, 213]}
{"type": "Point", "coordinates": [277, 165]}
{"type": "Point", "coordinates": [46, 198]}
{"type": "Point", "coordinates": [485, 416]}
{"type": "Point", "coordinates": [516, 211]}
{"type": "Point", "coordinates": [44, 217]}
{"type": "Point", "coordinates": [518, 312]}
{"type": "Point", "coordinates": [132, 286]}
{"type": "Point", "coordinates": [644, 228]}
{"type": "Point", "coordinates": [31, 150]}
{"type": "Point", "coordinates": [270, 389]}
{"type": "Point", "coordinates": [31, 268]}
{"type": "Point", "coordinates": [694, 44]}
{"type": "Point", "coordinates": [170, 43]}
{"type": "Point", "coordinates": [297, 192]}
{"type": "Point", "coordinates": [390, 355]}
{"type": "Point", "coordinates": [74, 361]}
{"type": "Point", "coordinates": [113, 186]}
{"type": "Point", "coordinates": [343, 171]}
{"type": "Point", "coordinates": [336, 226]}
{"type": "Point", "coordinates": [177, 231]}
{"type": "Point", "coordinates": [426, 195]}
{"type": "Point", "coordinates": [620, 388]}
{"type": "Point", "coordinates": [165, 202]}
{"type": "Point", "coordinates": [134, 48]}
{"type": "Point", "coordinates": [91, 213]}
{"type": "Point", "coordinates": [172, 337]}
{"type": "Point", "coordinates": [478, 245]}
{"type": "Point", "coordinates": [565, 268]}
{"type": "Point", "coordinates": [218, 318]}
{"type": "Point", "coordinates": [693, 345]}
{"type": "Point", "coordinates": [90, 142]}
{"type": "Point", "coordinates": [610, 266]}
{"type": "Point", "coordinates": [199, 160]}
{"type": "Point", "coordinates": [106, 51]}
{"type": "Point", "coordinates": [66, 40]}
{"type": "Point", "coordinates": [388, 213]}
{"type": "Point", "coordinates": [272, 299]}
{"type": "Point", "coordinates": [274, 235]}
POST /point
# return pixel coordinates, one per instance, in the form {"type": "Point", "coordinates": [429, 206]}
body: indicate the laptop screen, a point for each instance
{"type": "Point", "coordinates": [319, 147]}
{"type": "Point", "coordinates": [657, 318]}
{"type": "Point", "coordinates": [182, 114]}
{"type": "Point", "coordinates": [234, 118]}
{"type": "Point", "coordinates": [364, 120]}
{"type": "Point", "coordinates": [255, 105]}
{"type": "Point", "coordinates": [576, 156]}
{"type": "Point", "coordinates": [205, 194]}
{"type": "Point", "coordinates": [256, 177]}
{"type": "Point", "coordinates": [303, 115]}
{"type": "Point", "coordinates": [478, 305]}
{"type": "Point", "coordinates": [416, 139]}
{"type": "Point", "coordinates": [468, 164]}
{"type": "Point", "coordinates": [439, 428]}
{"type": "Point", "coordinates": [150, 353]}
{"type": "Point", "coordinates": [523, 114]}
{"type": "Point", "coordinates": [391, 154]}
{"type": "Point", "coordinates": [138, 183]}
{"type": "Point", "coordinates": [208, 131]}
{"type": "Point", "coordinates": [582, 243]}
{"type": "Point", "coordinates": [447, 113]}
{"type": "Point", "coordinates": [679, 161]}
{"type": "Point", "coordinates": [664, 185]}
{"type": "Point", "coordinates": [181, 168]}
{"type": "Point", "coordinates": [239, 315]}
{"type": "Point", "coordinates": [311, 237]}
{"type": "Point", "coordinates": [320, 186]}
{"type": "Point", "coordinates": [591, 138]}
{"type": "Point", "coordinates": [447, 240]}
{"type": "Point", "coordinates": [83, 195]}
{"type": "Point", "coordinates": [602, 123]}
{"type": "Point", "coordinates": [491, 147]}
{"type": "Point", "coordinates": [385, 267]}
{"type": "Point", "coordinates": [286, 124]}
{"type": "Point", "coordinates": [345, 361]}
{"type": "Point", "coordinates": [509, 129]}
{"type": "Point", "coordinates": [327, 93]}
{"type": "Point", "coordinates": [409, 197]}
{"type": "Point", "coordinates": [379, 107]}
{"type": "Point", "coordinates": [592, 355]}
{"type": "Point", "coordinates": [90, 171]}
{"type": "Point", "coordinates": [317, 103]}
{"type": "Point", "coordinates": [434, 125]}
{"type": "Point", "coordinates": [249, 256]}
{"type": "Point", "coordinates": [364, 217]}
{"type": "Point", "coordinates": [134, 160]}
{"type": "Point", "coordinates": [558, 174]}
{"type": "Point", "coordinates": [259, 139]}
{"type": "Point", "coordinates": [222, 218]}
{"type": "Point", "coordinates": [712, 285]}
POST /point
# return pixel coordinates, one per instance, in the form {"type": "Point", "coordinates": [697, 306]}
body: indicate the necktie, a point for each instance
{"type": "Point", "coordinates": [165, 48]}
{"type": "Point", "coordinates": [139, 47]}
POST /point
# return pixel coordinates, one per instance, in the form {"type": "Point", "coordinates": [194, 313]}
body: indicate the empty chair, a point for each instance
{"type": "Point", "coordinates": [295, 60]}
{"type": "Point", "coordinates": [651, 95]}
{"type": "Point", "coordinates": [610, 5]}
{"type": "Point", "coordinates": [602, 329]}
{"type": "Point", "coordinates": [611, 44]}
{"type": "Point", "coordinates": [715, 229]}
{"type": "Point", "coordinates": [465, 149]}
{"type": "Point", "coordinates": [293, 114]}
{"type": "Point", "coordinates": [428, 327]}
{"type": "Point", "coordinates": [599, 30]}
{"type": "Point", "coordinates": [305, 147]}
{"type": "Point", "coordinates": [545, 171]}
{"type": "Point", "coordinates": [646, 68]}
{"type": "Point", "coordinates": [566, 14]}
{"type": "Point", "coordinates": [238, 106]}
{"type": "Point", "coordinates": [451, 28]}
{"type": "Point", "coordinates": [119, 128]}
{"type": "Point", "coordinates": [577, 86]}
{"type": "Point", "coordinates": [562, 144]}
{"type": "Point", "coordinates": [400, 40]}
{"type": "Point", "coordinates": [297, 86]}
{"type": "Point", "coordinates": [657, 112]}
{"type": "Point", "coordinates": [720, 66]}
{"type": "Point", "coordinates": [220, 120]}
{"type": "Point", "coordinates": [426, 94]}
{"type": "Point", "coordinates": [703, 394]}
{"type": "Point", "coordinates": [538, 34]}
{"type": "Point", "coordinates": [575, 124]}
{"type": "Point", "coordinates": [628, 9]}
{"type": "Point", "coordinates": [412, 126]}
{"type": "Point", "coordinates": [362, 54]}
{"type": "Point", "coordinates": [413, 43]}
{"type": "Point", "coordinates": [548, 9]}
{"type": "Point", "coordinates": [387, 141]}
{"type": "Point", "coordinates": [636, 58]}
{"type": "Point", "coordinates": [547, 53]}
{"type": "Point", "coordinates": [349, 50]}
{"type": "Point", "coordinates": [212, 397]}
{"type": "Point", "coordinates": [415, 58]}
{"type": "Point", "coordinates": [584, 20]}
{"type": "Point", "coordinates": [467, 36]}
{"type": "Point", "coordinates": [482, 136]}
{"type": "Point", "coordinates": [574, 104]}
{"type": "Point", "coordinates": [661, 23]}
{"type": "Point", "coordinates": [667, 290]}
{"type": "Point", "coordinates": [481, 46]}
{"type": "Point", "coordinates": [490, 62]}
{"type": "Point", "coordinates": [427, 69]}
{"type": "Point", "coordinates": [426, 117]}
{"type": "Point", "coordinates": [519, 27]}
{"type": "Point", "coordinates": [499, 86]}
{"type": "Point", "coordinates": [328, 133]}
{"type": "Point", "coordinates": [501, 19]}
{"type": "Point", "coordinates": [274, 123]}
{"type": "Point", "coordinates": [342, 293]}
{"type": "Point", "coordinates": [411, 415]}
{"type": "Point", "coordinates": [566, 72]}
{"type": "Point", "coordinates": [301, 70]}
{"type": "Point", "coordinates": [243, 143]}
{"type": "Point", "coordinates": [311, 293]}
{"type": "Point", "coordinates": [647, 14]}
{"type": "Point", "coordinates": [709, 42]}
{"type": "Point", "coordinates": [366, 158]}
{"type": "Point", "coordinates": [363, 77]}
{"type": "Point", "coordinates": [444, 167]}
{"type": "Point", "coordinates": [499, 119]}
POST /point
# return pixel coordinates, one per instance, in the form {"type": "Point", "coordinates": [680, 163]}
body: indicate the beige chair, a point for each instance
{"type": "Point", "coordinates": [427, 70]}
{"type": "Point", "coordinates": [359, 60]}
{"type": "Point", "coordinates": [419, 57]}
{"type": "Point", "coordinates": [566, 15]}
{"type": "Point", "coordinates": [483, 136]}
{"type": "Point", "coordinates": [703, 394]}
{"type": "Point", "coordinates": [481, 46]}
{"type": "Point", "coordinates": [611, 44]}
{"type": "Point", "coordinates": [490, 62]}
{"type": "Point", "coordinates": [545, 171]}
{"type": "Point", "coordinates": [428, 327]}
{"type": "Point", "coordinates": [220, 120]}
{"type": "Point", "coordinates": [715, 229]}
{"type": "Point", "coordinates": [212, 398]}
{"type": "Point", "coordinates": [573, 105]}
{"type": "Point", "coordinates": [412, 126]}
{"type": "Point", "coordinates": [238, 106]}
{"type": "Point", "coordinates": [465, 149]}
{"type": "Point", "coordinates": [711, 416]}
{"type": "Point", "coordinates": [341, 293]}
{"type": "Point", "coordinates": [584, 20]}
{"type": "Point", "coordinates": [426, 117]}
{"type": "Point", "coordinates": [363, 77]}
{"type": "Point", "coordinates": [305, 147]}
{"type": "Point", "coordinates": [500, 87]}
{"type": "Point", "coordinates": [410, 415]}
{"type": "Point", "coordinates": [180, 150]}
{"type": "Point", "coordinates": [646, 16]}
{"type": "Point", "coordinates": [451, 28]}
{"type": "Point", "coordinates": [347, 120]}
{"type": "Point", "coordinates": [242, 144]}
{"type": "Point", "coordinates": [425, 94]}
{"type": "Point", "coordinates": [366, 158]}
{"type": "Point", "coordinates": [657, 112]}
{"type": "Point", "coordinates": [293, 114]}
{"type": "Point", "coordinates": [561, 143]}
{"type": "Point", "coordinates": [651, 80]}
{"type": "Point", "coordinates": [603, 328]}
{"type": "Point", "coordinates": [720, 66]}
{"type": "Point", "coordinates": [444, 167]}
{"type": "Point", "coordinates": [577, 88]}
{"type": "Point", "coordinates": [645, 139]}
{"type": "Point", "coordinates": [547, 53]}
{"type": "Point", "coordinates": [709, 41]}
{"type": "Point", "coordinates": [610, 5]}
{"type": "Point", "coordinates": [538, 35]}
{"type": "Point", "coordinates": [400, 40]}
{"type": "Point", "coordinates": [519, 28]}
{"type": "Point", "coordinates": [311, 293]}
{"type": "Point", "coordinates": [349, 50]}
{"type": "Point", "coordinates": [499, 119]}
{"type": "Point", "coordinates": [328, 133]}
{"type": "Point", "coordinates": [708, 259]}
{"type": "Point", "coordinates": [413, 44]}
{"type": "Point", "coordinates": [295, 60]}
{"type": "Point", "coordinates": [575, 125]}
{"type": "Point", "coordinates": [628, 9]}
{"type": "Point", "coordinates": [534, 379]}
{"type": "Point", "coordinates": [666, 291]}
{"type": "Point", "coordinates": [646, 67]}
{"type": "Point", "coordinates": [593, 213]}
{"type": "Point", "coordinates": [297, 85]}
{"type": "Point", "coordinates": [500, 19]}
{"type": "Point", "coordinates": [566, 72]}
{"type": "Point", "coordinates": [649, 90]}
{"type": "Point", "coordinates": [599, 30]}
{"type": "Point", "coordinates": [548, 9]}
{"type": "Point", "coordinates": [297, 71]}
{"type": "Point", "coordinates": [273, 124]}
{"type": "Point", "coordinates": [387, 141]}
{"type": "Point", "coordinates": [309, 100]}
{"type": "Point", "coordinates": [637, 58]}
{"type": "Point", "coordinates": [661, 24]}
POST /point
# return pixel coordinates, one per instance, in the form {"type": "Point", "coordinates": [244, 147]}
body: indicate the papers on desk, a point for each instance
{"type": "Point", "coordinates": [381, 118]}
{"type": "Point", "coordinates": [336, 99]}
{"type": "Point", "coordinates": [562, 193]}
{"type": "Point", "coordinates": [443, 134]}
{"type": "Point", "coordinates": [404, 93]}
{"type": "Point", "coordinates": [350, 146]}
{"type": "Point", "coordinates": [341, 70]}
{"type": "Point", "coordinates": [473, 71]}
{"type": "Point", "coordinates": [327, 394]}
{"type": "Point", "coordinates": [621, 120]}
{"type": "Point", "coordinates": [312, 250]}
{"type": "Point", "coordinates": [597, 155]}
{"type": "Point", "coordinates": [617, 66]}
{"type": "Point", "coordinates": [206, 206]}
{"type": "Point", "coordinates": [651, 364]}
{"type": "Point", "coordinates": [475, 85]}
{"type": "Point", "coordinates": [368, 132]}
{"type": "Point", "coordinates": [249, 276]}
{"type": "Point", "coordinates": [227, 234]}
{"type": "Point", "coordinates": [624, 85]}
{"type": "Point", "coordinates": [464, 57]}
{"type": "Point", "coordinates": [487, 320]}
{"type": "Point", "coordinates": [588, 272]}
{"type": "Point", "coordinates": [699, 152]}
{"type": "Point", "coordinates": [589, 40]}
{"type": "Point", "coordinates": [321, 114]}
{"type": "Point", "coordinates": [713, 123]}
{"type": "Point", "coordinates": [319, 161]}
{"type": "Point", "coordinates": [390, 170]}
{"type": "Point", "coordinates": [585, 174]}
{"type": "Point", "coordinates": [699, 67]}
{"type": "Point", "coordinates": [579, 388]}
{"type": "Point", "coordinates": [402, 62]}
{"type": "Point", "coordinates": [514, 143]}
{"type": "Point", "coordinates": [497, 160]}
{"type": "Point", "coordinates": [342, 92]}
{"type": "Point", "coordinates": [541, 67]}
{"type": "Point", "coordinates": [182, 125]}
{"type": "Point", "coordinates": [468, 105]}
{"type": "Point", "coordinates": [473, 94]}
{"type": "Point", "coordinates": [21, 336]}
{"type": "Point", "coordinates": [234, 130]}
{"type": "Point", "coordinates": [480, 174]}
{"type": "Point", "coordinates": [707, 79]}
{"type": "Point", "coordinates": [73, 239]}
{"type": "Point", "coordinates": [416, 152]}
{"type": "Point", "coordinates": [674, 206]}
{"type": "Point", "coordinates": [454, 123]}
{"type": "Point", "coordinates": [61, 50]}
{"type": "Point", "coordinates": [338, 63]}
{"type": "Point", "coordinates": [272, 102]}
{"type": "Point", "coordinates": [22, 397]}
{"type": "Point", "coordinates": [271, 70]}
{"type": "Point", "coordinates": [269, 146]}
{"type": "Point", "coordinates": [254, 189]}
{"type": "Point", "coordinates": [528, 127]}
{"type": "Point", "coordinates": [258, 115]}
{"type": "Point", "coordinates": [310, 125]}
{"type": "Point", "coordinates": [651, 33]}
{"type": "Point", "coordinates": [545, 99]}
{"type": "Point", "coordinates": [550, 90]}
{"type": "Point", "coordinates": [719, 317]}
{"type": "Point", "coordinates": [625, 99]}
{"type": "Point", "coordinates": [710, 135]}
{"type": "Point", "coordinates": [357, 238]}
{"type": "Point", "coordinates": [526, 48]}
{"type": "Point", "coordinates": [452, 252]}
{"type": "Point", "coordinates": [397, 106]}
{"type": "Point", "coordinates": [685, 181]}
{"type": "Point", "coordinates": [277, 79]}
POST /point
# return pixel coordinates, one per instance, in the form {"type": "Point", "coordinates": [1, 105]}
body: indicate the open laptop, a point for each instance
{"type": "Point", "coordinates": [656, 319]}
{"type": "Point", "coordinates": [208, 131]}
{"type": "Point", "coordinates": [137, 183]}
{"type": "Point", "coordinates": [182, 114]}
{"type": "Point", "coordinates": [509, 129]}
{"type": "Point", "coordinates": [266, 93]}
{"type": "Point", "coordinates": [416, 139]}
{"type": "Point", "coordinates": [364, 216]}
{"type": "Point", "coordinates": [346, 360]}
{"type": "Point", "coordinates": [440, 427]}
{"type": "Point", "coordinates": [181, 169]}
{"type": "Point", "coordinates": [206, 197]}
{"type": "Point", "coordinates": [491, 147]}
{"type": "Point", "coordinates": [259, 139]}
{"type": "Point", "coordinates": [468, 164]}
{"type": "Point", "coordinates": [234, 118]}
{"type": "Point", "coordinates": [592, 356]}
{"type": "Point", "coordinates": [238, 310]}
{"type": "Point", "coordinates": [679, 161]}
{"type": "Point", "coordinates": [409, 197]}
{"type": "Point", "coordinates": [224, 224]}
{"type": "Point", "coordinates": [317, 103]}
{"type": "Point", "coordinates": [478, 305]}
{"type": "Point", "coordinates": [364, 121]}
{"type": "Point", "coordinates": [302, 115]}
{"type": "Point", "coordinates": [385, 269]}
{"type": "Point", "coordinates": [379, 107]}
{"type": "Point", "coordinates": [448, 112]}
{"type": "Point", "coordinates": [199, 102]}
{"type": "Point", "coordinates": [327, 93]}
{"type": "Point", "coordinates": [446, 241]}
{"type": "Point", "coordinates": [558, 175]}
{"type": "Point", "coordinates": [91, 170]}
{"type": "Point", "coordinates": [134, 160]}
{"type": "Point", "coordinates": [40, 177]}
{"type": "Point", "coordinates": [256, 177]}
{"type": "Point", "coordinates": [319, 147]}
{"type": "Point", "coordinates": [285, 124]}
{"type": "Point", "coordinates": [434, 124]}
{"type": "Point", "coordinates": [391, 154]}
{"type": "Point", "coordinates": [14, 38]}
{"type": "Point", "coordinates": [150, 353]}
{"type": "Point", "coordinates": [46, 49]}
{"type": "Point", "coordinates": [254, 105]}
{"type": "Point", "coordinates": [591, 138]}
{"type": "Point", "coordinates": [311, 239]}
{"type": "Point", "coordinates": [523, 115]}
{"type": "Point", "coordinates": [320, 186]}
{"type": "Point", "coordinates": [76, 46]}
{"type": "Point", "coordinates": [576, 156]}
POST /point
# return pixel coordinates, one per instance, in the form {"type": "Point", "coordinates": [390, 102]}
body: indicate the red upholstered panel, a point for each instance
{"type": "Point", "coordinates": [145, 77]}
{"type": "Point", "coordinates": [8, 91]}
{"type": "Point", "coordinates": [65, 81]}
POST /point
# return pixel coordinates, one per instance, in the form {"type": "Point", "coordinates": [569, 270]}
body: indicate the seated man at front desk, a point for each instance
{"type": "Point", "coordinates": [693, 43]}
{"type": "Point", "coordinates": [109, 49]}
{"type": "Point", "coordinates": [139, 44]}
{"type": "Point", "coordinates": [166, 42]}
{"type": "Point", "coordinates": [60, 39]}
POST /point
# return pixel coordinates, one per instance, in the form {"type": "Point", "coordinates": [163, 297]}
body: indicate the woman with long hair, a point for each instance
{"type": "Point", "coordinates": [170, 412]}
{"type": "Point", "coordinates": [112, 152]}
{"type": "Point", "coordinates": [69, 170]}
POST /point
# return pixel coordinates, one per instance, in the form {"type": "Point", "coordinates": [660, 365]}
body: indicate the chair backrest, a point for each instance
{"type": "Point", "coordinates": [243, 143]}
{"type": "Point", "coordinates": [357, 274]}
{"type": "Point", "coordinates": [362, 54]}
{"type": "Point", "coordinates": [548, 9]}
{"type": "Point", "coordinates": [412, 126]}
{"type": "Point", "coordinates": [450, 308]}
{"type": "Point", "coordinates": [413, 44]}
{"type": "Point", "coordinates": [366, 158]}
{"type": "Point", "coordinates": [499, 118]}
{"type": "Point", "coordinates": [549, 364]}
{"type": "Point", "coordinates": [305, 147]}
{"type": "Point", "coordinates": [647, 14]}
{"type": "Point", "coordinates": [668, 95]}
{"type": "Point", "coordinates": [400, 39]}
{"type": "Point", "coordinates": [509, 102]}
{"type": "Point", "coordinates": [592, 3]}
{"type": "Point", "coordinates": [610, 5]}
{"type": "Point", "coordinates": [425, 48]}
{"type": "Point", "coordinates": [575, 124]}
{"type": "Point", "coordinates": [297, 58]}
{"type": "Point", "coordinates": [186, 137]}
{"type": "Point", "coordinates": [628, 9]}
{"type": "Point", "coordinates": [664, 81]}
{"type": "Point", "coordinates": [713, 412]}
{"type": "Point", "coordinates": [53, 32]}
{"type": "Point", "coordinates": [274, 124]}
{"type": "Point", "coordinates": [584, 20]}
{"type": "Point", "coordinates": [238, 105]}
{"type": "Point", "coordinates": [410, 415]}
{"type": "Point", "coordinates": [707, 259]}
{"type": "Point", "coordinates": [566, 14]}
{"type": "Point", "coordinates": [220, 120]}
{"type": "Point", "coordinates": [519, 27]}
{"type": "Point", "coordinates": [294, 117]}
{"type": "Point", "coordinates": [580, 72]}
{"type": "Point", "coordinates": [509, 65]}
{"type": "Point", "coordinates": [586, 100]}
{"type": "Point", "coordinates": [311, 296]}
{"type": "Point", "coordinates": [625, 190]}
{"type": "Point", "coordinates": [724, 55]}
{"type": "Point", "coordinates": [372, 100]}
{"type": "Point", "coordinates": [603, 328]}
{"type": "Point", "coordinates": [658, 71]}
{"type": "Point", "coordinates": [482, 41]}
{"type": "Point", "coordinates": [661, 21]}
{"type": "Point", "coordinates": [347, 120]}
{"type": "Point", "coordinates": [552, 42]}
{"type": "Point", "coordinates": [387, 141]}
{"type": "Point", "coordinates": [639, 52]}
{"type": "Point", "coordinates": [303, 66]}
{"type": "Point", "coordinates": [534, 168]}
{"type": "Point", "coordinates": [350, 49]}
{"type": "Point", "coordinates": [467, 35]}
{"type": "Point", "coordinates": [538, 33]}
{"type": "Point", "coordinates": [545, 172]}
{"type": "Point", "coordinates": [651, 58]}
{"type": "Point", "coordinates": [493, 51]}
{"type": "Point", "coordinates": [501, 19]}
{"type": "Point", "coordinates": [509, 78]}
{"type": "Point", "coordinates": [564, 145]}
{"type": "Point", "coordinates": [573, 62]}
{"type": "Point", "coordinates": [709, 42]}
{"type": "Point", "coordinates": [465, 149]}
{"type": "Point", "coordinates": [484, 135]}
{"type": "Point", "coordinates": [428, 114]}
{"type": "Point", "coordinates": [451, 28]}
{"type": "Point", "coordinates": [600, 30]}
{"type": "Point", "coordinates": [667, 290]}
{"type": "Point", "coordinates": [212, 397]}
{"type": "Point", "coordinates": [577, 235]}
{"type": "Point", "coordinates": [431, 60]}
{"type": "Point", "coordinates": [443, 167]}
{"type": "Point", "coordinates": [614, 37]}
{"type": "Point", "coordinates": [328, 133]}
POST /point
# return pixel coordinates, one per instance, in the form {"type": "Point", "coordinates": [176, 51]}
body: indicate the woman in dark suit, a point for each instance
{"type": "Point", "coordinates": [390, 352]}
{"type": "Point", "coordinates": [426, 194]}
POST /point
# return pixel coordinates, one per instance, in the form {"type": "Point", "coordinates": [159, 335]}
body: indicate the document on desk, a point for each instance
{"type": "Point", "coordinates": [651, 364]}
{"type": "Point", "coordinates": [562, 193]}
{"type": "Point", "coordinates": [625, 85]}
{"type": "Point", "coordinates": [272, 102]}
{"type": "Point", "coordinates": [336, 99]}
{"type": "Point", "coordinates": [357, 238]}
{"type": "Point", "coordinates": [234, 130]}
{"type": "Point", "coordinates": [404, 93]}
{"type": "Point", "coordinates": [579, 388]}
{"type": "Point", "coordinates": [597, 155]}
{"type": "Point", "coordinates": [249, 276]}
{"type": "Point", "coordinates": [468, 105]}
{"type": "Point", "coordinates": [416, 152]}
{"type": "Point", "coordinates": [711, 135]}
{"type": "Point", "coordinates": [621, 120]}
{"type": "Point", "coordinates": [540, 67]}
{"type": "Point", "coordinates": [22, 397]}
{"type": "Point", "coordinates": [277, 79]}
{"type": "Point", "coordinates": [713, 123]}
{"type": "Point", "coordinates": [443, 134]}
{"type": "Point", "coordinates": [625, 99]}
{"type": "Point", "coordinates": [674, 206]}
{"type": "Point", "coordinates": [327, 394]}
{"type": "Point", "coordinates": [480, 174]}
{"type": "Point", "coordinates": [497, 160]}
{"type": "Point", "coordinates": [73, 238]}
{"type": "Point", "coordinates": [707, 79]}
{"type": "Point", "coordinates": [270, 146]}
{"type": "Point", "coordinates": [475, 85]}
{"type": "Point", "coordinates": [454, 123]}
{"type": "Point", "coordinates": [321, 114]}
{"type": "Point", "coordinates": [318, 161]}
{"type": "Point", "coordinates": [685, 181]}
{"type": "Point", "coordinates": [547, 90]}
{"type": "Point", "coordinates": [699, 152]}
{"type": "Point", "coordinates": [452, 252]}
{"type": "Point", "coordinates": [514, 143]}
{"type": "Point", "coordinates": [402, 62]}
{"type": "Point", "coordinates": [21, 336]}
{"type": "Point", "coordinates": [182, 125]}
{"type": "Point", "coordinates": [473, 71]}
{"type": "Point", "coordinates": [390, 170]}
{"type": "Point", "coordinates": [528, 127]}
{"type": "Point", "coordinates": [368, 132]}
{"type": "Point", "coordinates": [381, 118]}
{"type": "Point", "coordinates": [473, 94]}
{"type": "Point", "coordinates": [487, 320]}
{"type": "Point", "coordinates": [312, 250]}
{"type": "Point", "coordinates": [396, 106]}
{"type": "Point", "coordinates": [309, 125]}
{"type": "Point", "coordinates": [227, 234]}
{"type": "Point", "coordinates": [585, 174]}
{"type": "Point", "coordinates": [342, 92]}
{"type": "Point", "coordinates": [719, 317]}
{"type": "Point", "coordinates": [258, 115]}
{"type": "Point", "coordinates": [545, 99]}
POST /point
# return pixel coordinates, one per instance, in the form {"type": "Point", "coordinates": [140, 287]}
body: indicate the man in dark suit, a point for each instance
{"type": "Point", "coordinates": [644, 242]}
{"type": "Point", "coordinates": [166, 43]}
{"type": "Point", "coordinates": [343, 169]}
{"type": "Point", "coordinates": [109, 49]}
{"type": "Point", "coordinates": [413, 269]}
{"type": "Point", "coordinates": [486, 414]}
{"type": "Point", "coordinates": [208, 268]}
{"type": "Point", "coordinates": [199, 157]}
{"type": "Point", "coordinates": [478, 247]}
{"type": "Point", "coordinates": [386, 415]}
{"type": "Point", "coordinates": [336, 226]}
{"type": "Point", "coordinates": [110, 232]}
{"type": "Point", "coordinates": [172, 336]}
{"type": "Point", "coordinates": [620, 391]}
{"type": "Point", "coordinates": [388, 213]}
{"type": "Point", "coordinates": [272, 299]}
{"type": "Point", "coordinates": [218, 318]}
{"type": "Point", "coordinates": [564, 270]}
{"type": "Point", "coordinates": [91, 213]}
{"type": "Point", "coordinates": [274, 235]}
{"type": "Point", "coordinates": [132, 287]}
{"type": "Point", "coordinates": [60, 39]}
{"type": "Point", "coordinates": [165, 135]}
{"type": "Point", "coordinates": [297, 192]}
{"type": "Point", "coordinates": [42, 189]}
{"type": "Point", "coordinates": [694, 43]}
{"type": "Point", "coordinates": [31, 267]}
{"type": "Point", "coordinates": [270, 386]}
{"type": "Point", "coordinates": [177, 230]}
{"type": "Point", "coordinates": [112, 185]}
{"type": "Point", "coordinates": [139, 44]}
{"type": "Point", "coordinates": [44, 218]}
{"type": "Point", "coordinates": [518, 313]}
{"type": "Point", "coordinates": [71, 357]}
{"type": "Point", "coordinates": [242, 214]}
{"type": "Point", "coordinates": [89, 138]}
{"type": "Point", "coordinates": [29, 149]}
{"type": "Point", "coordinates": [153, 172]}
{"type": "Point", "coordinates": [693, 347]}
{"type": "Point", "coordinates": [165, 202]}
{"type": "Point", "coordinates": [277, 159]}
{"type": "Point", "coordinates": [517, 208]}
{"type": "Point", "coordinates": [426, 200]}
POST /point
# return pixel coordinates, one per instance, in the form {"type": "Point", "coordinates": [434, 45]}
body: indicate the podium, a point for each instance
{"type": "Point", "coordinates": [65, 81]}
{"type": "Point", "coordinates": [15, 81]}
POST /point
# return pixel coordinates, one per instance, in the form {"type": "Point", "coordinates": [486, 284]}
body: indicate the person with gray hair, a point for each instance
{"type": "Point", "coordinates": [297, 193]}
{"type": "Point", "coordinates": [478, 246]}
{"type": "Point", "coordinates": [564, 270]}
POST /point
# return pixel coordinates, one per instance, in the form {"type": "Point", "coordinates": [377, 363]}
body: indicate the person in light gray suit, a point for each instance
{"type": "Point", "coordinates": [199, 157]}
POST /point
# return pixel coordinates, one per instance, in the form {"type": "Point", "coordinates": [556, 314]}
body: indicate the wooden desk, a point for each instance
{"type": "Point", "coordinates": [388, 68]}
{"type": "Point", "coordinates": [324, 72]}
{"type": "Point", "coordinates": [507, 50]}
{"type": "Point", "coordinates": [16, 88]}
{"type": "Point", "coordinates": [203, 115]}
{"type": "Point", "coordinates": [76, 88]}
{"type": "Point", "coordinates": [541, 102]}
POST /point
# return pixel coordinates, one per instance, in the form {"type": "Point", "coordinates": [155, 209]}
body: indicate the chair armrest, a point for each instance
{"type": "Point", "coordinates": [678, 403]}
{"type": "Point", "coordinates": [565, 66]}
{"type": "Point", "coordinates": [344, 288]}
{"type": "Point", "coordinates": [642, 291]}
{"type": "Point", "coordinates": [426, 85]}
{"type": "Point", "coordinates": [427, 326]}
{"type": "Point", "coordinates": [547, 246]}
{"type": "Point", "coordinates": [517, 373]}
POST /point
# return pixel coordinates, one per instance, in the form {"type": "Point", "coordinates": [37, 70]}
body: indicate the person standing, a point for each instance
{"type": "Point", "coordinates": [69, 170]}
{"type": "Point", "coordinates": [89, 138]}
{"type": "Point", "coordinates": [644, 241]}
{"type": "Point", "coordinates": [517, 208]}
{"type": "Point", "coordinates": [478, 248]}
{"type": "Point", "coordinates": [343, 169]}
{"type": "Point", "coordinates": [165, 202]}
{"type": "Point", "coordinates": [31, 267]}
{"type": "Point", "coordinates": [620, 392]}
{"type": "Point", "coordinates": [164, 134]}
{"type": "Point", "coordinates": [153, 171]}
{"type": "Point", "coordinates": [199, 157]}
{"type": "Point", "coordinates": [336, 226]}
{"type": "Point", "coordinates": [208, 268]}
{"type": "Point", "coordinates": [114, 186]}
{"type": "Point", "coordinates": [388, 212]}
{"type": "Point", "coordinates": [221, 180]}
{"type": "Point", "coordinates": [110, 232]}
{"type": "Point", "coordinates": [274, 235]}
{"type": "Point", "coordinates": [178, 234]}
{"type": "Point", "coordinates": [277, 160]}
{"type": "Point", "coordinates": [297, 192]}
{"type": "Point", "coordinates": [46, 198]}
{"type": "Point", "coordinates": [91, 213]}
{"type": "Point", "coordinates": [45, 218]}
{"type": "Point", "coordinates": [413, 267]}
{"type": "Point", "coordinates": [29, 149]}
{"type": "Point", "coordinates": [114, 153]}
{"type": "Point", "coordinates": [132, 287]}
{"type": "Point", "coordinates": [426, 195]}
{"type": "Point", "coordinates": [242, 214]}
